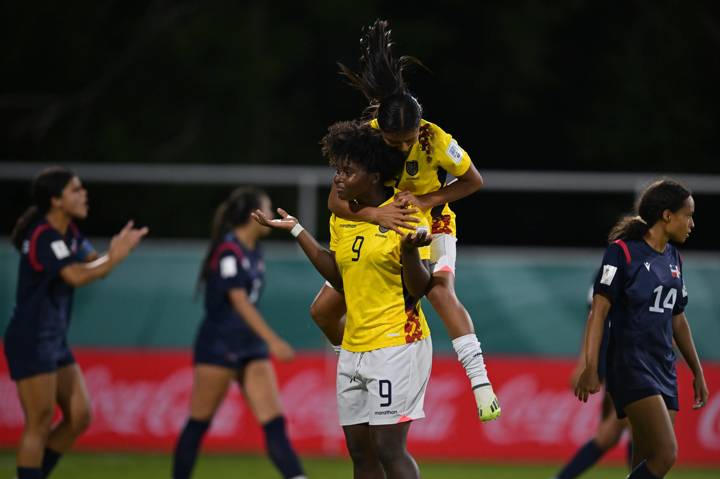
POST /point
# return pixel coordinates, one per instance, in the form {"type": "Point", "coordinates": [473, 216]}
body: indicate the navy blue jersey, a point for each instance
{"type": "Point", "coordinates": [43, 300]}
{"type": "Point", "coordinates": [646, 290]}
{"type": "Point", "coordinates": [232, 266]}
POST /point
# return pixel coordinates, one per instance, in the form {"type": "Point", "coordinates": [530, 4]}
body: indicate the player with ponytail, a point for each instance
{"type": "Point", "coordinates": [640, 292]}
{"type": "Point", "coordinates": [234, 342]}
{"type": "Point", "coordinates": [436, 172]}
{"type": "Point", "coordinates": [55, 259]}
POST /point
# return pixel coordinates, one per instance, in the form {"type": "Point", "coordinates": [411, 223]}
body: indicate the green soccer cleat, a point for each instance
{"type": "Point", "coordinates": [487, 402]}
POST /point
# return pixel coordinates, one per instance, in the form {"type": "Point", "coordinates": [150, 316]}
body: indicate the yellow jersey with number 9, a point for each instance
{"type": "Point", "coordinates": [427, 165]}
{"type": "Point", "coordinates": [380, 311]}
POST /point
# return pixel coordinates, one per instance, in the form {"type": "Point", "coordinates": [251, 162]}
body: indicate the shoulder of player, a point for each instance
{"type": "Point", "coordinates": [227, 249]}
{"type": "Point", "coordinates": [425, 124]}
{"type": "Point", "coordinates": [433, 132]}
{"type": "Point", "coordinates": [638, 253]}
{"type": "Point", "coordinates": [43, 231]}
{"type": "Point", "coordinates": [625, 249]}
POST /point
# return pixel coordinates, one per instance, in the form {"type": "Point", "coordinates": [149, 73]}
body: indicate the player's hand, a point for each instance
{"type": "Point", "coordinates": [575, 375]}
{"type": "Point", "coordinates": [285, 222]}
{"type": "Point", "coordinates": [408, 199]}
{"type": "Point", "coordinates": [128, 238]}
{"type": "Point", "coordinates": [280, 349]}
{"type": "Point", "coordinates": [420, 237]}
{"type": "Point", "coordinates": [396, 215]}
{"type": "Point", "coordinates": [701, 392]}
{"type": "Point", "coordinates": [588, 383]}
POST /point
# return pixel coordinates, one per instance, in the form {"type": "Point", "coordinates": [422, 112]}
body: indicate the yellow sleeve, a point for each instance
{"type": "Point", "coordinates": [450, 156]}
{"type": "Point", "coordinates": [334, 231]}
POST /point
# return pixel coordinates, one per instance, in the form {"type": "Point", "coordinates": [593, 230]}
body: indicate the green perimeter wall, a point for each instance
{"type": "Point", "coordinates": [522, 301]}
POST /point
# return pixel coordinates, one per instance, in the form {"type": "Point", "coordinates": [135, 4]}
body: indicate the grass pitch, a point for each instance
{"type": "Point", "coordinates": [210, 466]}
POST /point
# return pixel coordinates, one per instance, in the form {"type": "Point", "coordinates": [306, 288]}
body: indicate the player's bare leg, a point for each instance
{"type": "Point", "coordinates": [259, 386]}
{"type": "Point", "coordinates": [460, 327]}
{"type": "Point", "coordinates": [655, 446]}
{"type": "Point", "coordinates": [37, 398]}
{"type": "Point", "coordinates": [446, 303]}
{"type": "Point", "coordinates": [210, 386]}
{"type": "Point", "coordinates": [74, 402]}
{"type": "Point", "coordinates": [609, 433]}
{"type": "Point", "coordinates": [366, 463]}
{"type": "Point", "coordinates": [328, 311]}
{"type": "Point", "coordinates": [391, 446]}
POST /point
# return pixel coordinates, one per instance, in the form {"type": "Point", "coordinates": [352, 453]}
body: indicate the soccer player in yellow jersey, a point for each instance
{"type": "Point", "coordinates": [432, 158]}
{"type": "Point", "coordinates": [386, 353]}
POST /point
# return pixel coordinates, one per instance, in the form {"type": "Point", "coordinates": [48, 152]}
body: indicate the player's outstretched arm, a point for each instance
{"type": "Point", "coordinates": [589, 382]}
{"type": "Point", "coordinates": [321, 258]}
{"type": "Point", "coordinates": [686, 345]}
{"type": "Point", "coordinates": [394, 216]}
{"type": "Point", "coordinates": [80, 274]}
{"type": "Point", "coordinates": [278, 346]}
{"type": "Point", "coordinates": [416, 272]}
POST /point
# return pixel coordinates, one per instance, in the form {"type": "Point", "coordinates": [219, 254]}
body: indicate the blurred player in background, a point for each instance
{"type": "Point", "coordinates": [234, 342]}
{"type": "Point", "coordinates": [610, 429]}
{"type": "Point", "coordinates": [431, 155]}
{"type": "Point", "coordinates": [54, 259]}
{"type": "Point", "coordinates": [641, 291]}
{"type": "Point", "coordinates": [386, 354]}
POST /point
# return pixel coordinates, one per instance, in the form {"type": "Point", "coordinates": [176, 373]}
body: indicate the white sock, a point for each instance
{"type": "Point", "coordinates": [470, 356]}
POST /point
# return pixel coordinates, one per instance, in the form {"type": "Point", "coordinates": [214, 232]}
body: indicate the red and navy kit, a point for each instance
{"type": "Point", "coordinates": [35, 339]}
{"type": "Point", "coordinates": [224, 338]}
{"type": "Point", "coordinates": [646, 289]}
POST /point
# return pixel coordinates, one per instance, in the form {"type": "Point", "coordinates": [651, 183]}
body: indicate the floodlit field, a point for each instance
{"type": "Point", "coordinates": [123, 466]}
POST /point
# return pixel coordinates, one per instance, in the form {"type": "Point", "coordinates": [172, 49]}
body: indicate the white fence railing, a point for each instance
{"type": "Point", "coordinates": [307, 179]}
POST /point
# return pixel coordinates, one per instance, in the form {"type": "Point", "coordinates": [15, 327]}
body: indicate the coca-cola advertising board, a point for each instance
{"type": "Point", "coordinates": [140, 401]}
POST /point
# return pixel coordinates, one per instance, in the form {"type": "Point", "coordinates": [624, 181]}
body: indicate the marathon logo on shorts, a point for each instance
{"type": "Point", "coordinates": [60, 249]}
{"type": "Point", "coordinates": [385, 413]}
{"type": "Point", "coordinates": [383, 229]}
{"type": "Point", "coordinates": [412, 167]}
{"type": "Point", "coordinates": [608, 274]}
{"type": "Point", "coordinates": [455, 152]}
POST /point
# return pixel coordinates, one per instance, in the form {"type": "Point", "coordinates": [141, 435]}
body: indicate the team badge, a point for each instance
{"type": "Point", "coordinates": [411, 167]}
{"type": "Point", "coordinates": [674, 271]}
{"type": "Point", "coordinates": [383, 229]}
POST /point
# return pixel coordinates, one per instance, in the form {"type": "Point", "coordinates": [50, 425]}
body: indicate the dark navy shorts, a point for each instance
{"type": "Point", "coordinates": [623, 398]}
{"type": "Point", "coordinates": [228, 360]}
{"type": "Point", "coordinates": [30, 359]}
{"type": "Point", "coordinates": [219, 353]}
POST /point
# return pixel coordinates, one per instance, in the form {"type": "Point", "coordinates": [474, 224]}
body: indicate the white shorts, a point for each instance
{"type": "Point", "coordinates": [383, 386]}
{"type": "Point", "coordinates": [443, 252]}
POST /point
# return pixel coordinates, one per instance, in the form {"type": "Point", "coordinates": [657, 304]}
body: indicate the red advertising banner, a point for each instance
{"type": "Point", "coordinates": [140, 401]}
